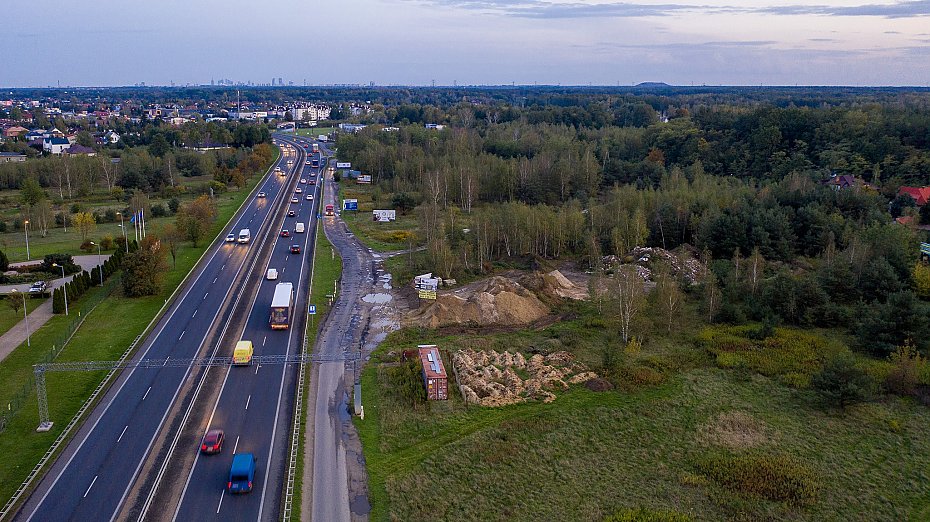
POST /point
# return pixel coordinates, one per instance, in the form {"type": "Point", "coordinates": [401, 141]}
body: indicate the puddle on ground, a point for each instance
{"type": "Point", "coordinates": [359, 505]}
{"type": "Point", "coordinates": [377, 298]}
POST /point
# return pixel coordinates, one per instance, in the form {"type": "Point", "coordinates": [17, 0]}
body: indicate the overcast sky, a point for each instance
{"type": "Point", "coordinates": [416, 42]}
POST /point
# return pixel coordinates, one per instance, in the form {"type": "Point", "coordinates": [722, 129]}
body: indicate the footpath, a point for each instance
{"type": "Point", "coordinates": [16, 335]}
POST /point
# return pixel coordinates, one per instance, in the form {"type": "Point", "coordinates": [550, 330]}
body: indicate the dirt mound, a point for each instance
{"type": "Point", "coordinates": [557, 285]}
{"type": "Point", "coordinates": [496, 301]}
{"type": "Point", "coordinates": [681, 262]}
{"type": "Point", "coordinates": [490, 378]}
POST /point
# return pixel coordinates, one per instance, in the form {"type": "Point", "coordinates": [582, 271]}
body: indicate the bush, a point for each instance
{"type": "Point", "coordinates": [64, 260]}
{"type": "Point", "coordinates": [159, 211]}
{"type": "Point", "coordinates": [109, 215]}
{"type": "Point", "coordinates": [904, 375]}
{"type": "Point", "coordinates": [777, 477]}
{"type": "Point", "coordinates": [58, 301]}
{"type": "Point", "coordinates": [841, 382]}
{"type": "Point", "coordinates": [173, 205]}
{"type": "Point", "coordinates": [3, 227]}
{"type": "Point", "coordinates": [767, 350]}
{"type": "Point", "coordinates": [4, 262]}
{"type": "Point", "coordinates": [88, 246]}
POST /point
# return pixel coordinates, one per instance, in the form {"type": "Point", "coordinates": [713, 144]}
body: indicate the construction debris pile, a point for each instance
{"type": "Point", "coordinates": [681, 263]}
{"type": "Point", "coordinates": [496, 301]}
{"type": "Point", "coordinates": [490, 378]}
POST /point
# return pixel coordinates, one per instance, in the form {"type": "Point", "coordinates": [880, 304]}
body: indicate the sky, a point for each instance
{"type": "Point", "coordinates": [466, 42]}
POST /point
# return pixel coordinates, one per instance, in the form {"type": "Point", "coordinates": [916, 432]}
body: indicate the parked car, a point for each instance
{"type": "Point", "coordinates": [212, 442]}
{"type": "Point", "coordinates": [38, 287]}
{"type": "Point", "coordinates": [272, 274]}
{"type": "Point", "coordinates": [295, 249]}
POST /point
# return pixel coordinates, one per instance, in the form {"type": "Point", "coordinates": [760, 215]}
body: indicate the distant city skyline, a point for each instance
{"type": "Point", "coordinates": [468, 42]}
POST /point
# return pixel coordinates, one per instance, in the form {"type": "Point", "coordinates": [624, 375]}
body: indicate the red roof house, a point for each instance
{"type": "Point", "coordinates": [921, 195]}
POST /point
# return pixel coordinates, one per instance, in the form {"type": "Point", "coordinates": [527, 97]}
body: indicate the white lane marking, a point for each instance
{"type": "Point", "coordinates": [264, 339]}
{"type": "Point", "coordinates": [193, 314]}
{"type": "Point", "coordinates": [91, 485]}
{"type": "Point", "coordinates": [166, 361]}
{"type": "Point", "coordinates": [222, 494]}
{"type": "Point", "coordinates": [223, 267]}
{"type": "Point", "coordinates": [285, 258]}
{"type": "Point", "coordinates": [123, 433]}
{"type": "Point", "coordinates": [236, 446]}
{"type": "Point", "coordinates": [247, 401]}
{"type": "Point", "coordinates": [182, 335]}
{"type": "Point", "coordinates": [205, 295]}
{"type": "Point", "coordinates": [146, 393]}
{"type": "Point", "coordinates": [214, 279]}
{"type": "Point", "coordinates": [257, 366]}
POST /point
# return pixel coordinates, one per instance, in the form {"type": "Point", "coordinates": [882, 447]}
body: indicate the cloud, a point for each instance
{"type": "Point", "coordinates": [559, 10]}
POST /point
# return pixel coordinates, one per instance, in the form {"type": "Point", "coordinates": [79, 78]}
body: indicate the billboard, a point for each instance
{"type": "Point", "coordinates": [426, 283]}
{"type": "Point", "coordinates": [383, 215]}
{"type": "Point", "coordinates": [364, 178]}
{"type": "Point", "coordinates": [350, 204]}
{"type": "Point", "coordinates": [343, 165]}
{"type": "Point", "coordinates": [427, 294]}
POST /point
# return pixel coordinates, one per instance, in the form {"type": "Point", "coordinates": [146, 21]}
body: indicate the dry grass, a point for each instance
{"type": "Point", "coordinates": [736, 430]}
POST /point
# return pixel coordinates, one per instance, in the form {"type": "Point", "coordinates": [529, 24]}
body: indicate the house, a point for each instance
{"type": "Point", "coordinates": [79, 150]}
{"type": "Point", "coordinates": [842, 182]}
{"type": "Point", "coordinates": [111, 137]}
{"type": "Point", "coordinates": [14, 132]}
{"type": "Point", "coordinates": [921, 195]}
{"type": "Point", "coordinates": [351, 127]}
{"type": "Point", "coordinates": [10, 157]}
{"type": "Point", "coordinates": [434, 374]}
{"type": "Point", "coordinates": [35, 134]}
{"type": "Point", "coordinates": [435, 126]}
{"type": "Point", "coordinates": [55, 145]}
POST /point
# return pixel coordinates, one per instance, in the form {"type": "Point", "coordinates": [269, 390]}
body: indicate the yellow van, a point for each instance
{"type": "Point", "coordinates": [243, 353]}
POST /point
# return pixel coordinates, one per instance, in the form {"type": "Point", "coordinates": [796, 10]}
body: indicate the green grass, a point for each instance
{"type": "Point", "coordinates": [382, 237]}
{"type": "Point", "coordinates": [588, 455]}
{"type": "Point", "coordinates": [118, 321]}
{"type": "Point", "coordinates": [327, 268]}
{"type": "Point", "coordinates": [315, 131]}
{"type": "Point", "coordinates": [9, 318]}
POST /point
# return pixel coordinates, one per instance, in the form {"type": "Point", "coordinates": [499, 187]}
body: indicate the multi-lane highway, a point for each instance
{"type": "Point", "coordinates": [97, 469]}
{"type": "Point", "coordinates": [255, 405]}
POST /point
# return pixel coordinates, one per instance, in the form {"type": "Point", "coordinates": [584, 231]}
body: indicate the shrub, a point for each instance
{"type": "Point", "coordinates": [109, 215]}
{"type": "Point", "coordinates": [3, 227]}
{"type": "Point", "coordinates": [772, 477]}
{"type": "Point", "coordinates": [88, 246]}
{"type": "Point", "coordinates": [159, 211]}
{"type": "Point", "coordinates": [58, 301]}
{"type": "Point", "coordinates": [841, 382]}
{"type": "Point", "coordinates": [774, 352]}
{"type": "Point", "coordinates": [4, 262]}
{"type": "Point", "coordinates": [647, 515]}
{"type": "Point", "coordinates": [64, 260]}
{"type": "Point", "coordinates": [903, 377]}
{"type": "Point", "coordinates": [106, 242]}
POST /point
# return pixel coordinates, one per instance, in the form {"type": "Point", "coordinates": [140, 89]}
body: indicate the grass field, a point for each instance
{"type": "Point", "coordinates": [653, 445]}
{"type": "Point", "coordinates": [8, 318]}
{"type": "Point", "coordinates": [315, 131]}
{"type": "Point", "coordinates": [383, 237]}
{"type": "Point", "coordinates": [105, 334]}
{"type": "Point", "coordinates": [327, 268]}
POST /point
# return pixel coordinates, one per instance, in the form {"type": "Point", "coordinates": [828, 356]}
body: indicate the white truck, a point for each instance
{"type": "Point", "coordinates": [244, 236]}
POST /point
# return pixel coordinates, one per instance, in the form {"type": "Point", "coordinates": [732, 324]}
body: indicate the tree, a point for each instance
{"type": "Point", "coordinates": [145, 268]}
{"type": "Point", "coordinates": [755, 269]}
{"type": "Point", "coordinates": [4, 262]}
{"type": "Point", "coordinates": [668, 297]}
{"type": "Point", "coordinates": [920, 275]}
{"type": "Point", "coordinates": [841, 382]}
{"type": "Point", "coordinates": [159, 146]}
{"type": "Point", "coordinates": [58, 301]}
{"type": "Point", "coordinates": [899, 204]}
{"type": "Point", "coordinates": [403, 202]}
{"type": "Point", "coordinates": [195, 218]}
{"type": "Point", "coordinates": [85, 223]}
{"type": "Point", "coordinates": [712, 296]}
{"type": "Point", "coordinates": [626, 294]}
{"type": "Point", "coordinates": [15, 302]}
{"type": "Point", "coordinates": [172, 236]}
{"type": "Point", "coordinates": [31, 192]}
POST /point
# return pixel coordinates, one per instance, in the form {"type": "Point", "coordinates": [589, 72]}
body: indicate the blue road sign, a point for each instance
{"type": "Point", "coordinates": [925, 248]}
{"type": "Point", "coordinates": [312, 310]}
{"type": "Point", "coordinates": [319, 216]}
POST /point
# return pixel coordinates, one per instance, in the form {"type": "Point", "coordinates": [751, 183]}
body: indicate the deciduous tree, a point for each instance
{"type": "Point", "coordinates": [85, 223]}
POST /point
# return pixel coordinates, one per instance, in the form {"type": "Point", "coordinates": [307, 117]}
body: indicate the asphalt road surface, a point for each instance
{"type": "Point", "coordinates": [91, 478]}
{"type": "Point", "coordinates": [255, 406]}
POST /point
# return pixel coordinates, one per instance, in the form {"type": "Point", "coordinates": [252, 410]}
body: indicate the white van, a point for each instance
{"type": "Point", "coordinates": [299, 227]}
{"type": "Point", "coordinates": [244, 235]}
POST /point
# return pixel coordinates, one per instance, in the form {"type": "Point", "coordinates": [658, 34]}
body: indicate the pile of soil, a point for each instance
{"type": "Point", "coordinates": [496, 301]}
{"type": "Point", "coordinates": [681, 263]}
{"type": "Point", "coordinates": [490, 378]}
{"type": "Point", "coordinates": [557, 285]}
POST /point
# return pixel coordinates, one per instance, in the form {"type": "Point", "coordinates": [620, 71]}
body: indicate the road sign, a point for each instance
{"type": "Point", "coordinates": [311, 310]}
{"type": "Point", "coordinates": [319, 216]}
{"type": "Point", "coordinates": [925, 248]}
{"type": "Point", "coordinates": [427, 294]}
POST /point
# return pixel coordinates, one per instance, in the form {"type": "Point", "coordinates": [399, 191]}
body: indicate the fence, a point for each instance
{"type": "Point", "coordinates": [78, 312]}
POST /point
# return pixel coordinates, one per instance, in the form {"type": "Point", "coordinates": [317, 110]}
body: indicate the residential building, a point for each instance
{"type": "Point", "coordinates": [79, 150]}
{"type": "Point", "coordinates": [14, 132]}
{"type": "Point", "coordinates": [55, 145]}
{"type": "Point", "coordinates": [11, 157]}
{"type": "Point", "coordinates": [921, 195]}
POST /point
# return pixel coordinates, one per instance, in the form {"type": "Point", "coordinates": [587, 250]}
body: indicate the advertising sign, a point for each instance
{"type": "Point", "coordinates": [427, 294]}
{"type": "Point", "coordinates": [383, 215]}
{"type": "Point", "coordinates": [350, 204]}
{"type": "Point", "coordinates": [343, 164]}
{"type": "Point", "coordinates": [364, 178]}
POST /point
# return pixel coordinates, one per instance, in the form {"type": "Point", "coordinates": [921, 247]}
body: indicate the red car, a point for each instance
{"type": "Point", "coordinates": [285, 233]}
{"type": "Point", "coordinates": [295, 249]}
{"type": "Point", "coordinates": [212, 442]}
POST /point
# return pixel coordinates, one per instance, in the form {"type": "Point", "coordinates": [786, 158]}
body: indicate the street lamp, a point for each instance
{"type": "Point", "coordinates": [99, 264]}
{"type": "Point", "coordinates": [125, 239]}
{"type": "Point", "coordinates": [63, 286]}
{"type": "Point", "coordinates": [26, 317]}
{"type": "Point", "coordinates": [26, 229]}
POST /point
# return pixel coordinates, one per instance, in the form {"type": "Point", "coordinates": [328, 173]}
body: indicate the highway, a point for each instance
{"type": "Point", "coordinates": [95, 471]}
{"type": "Point", "coordinates": [255, 405]}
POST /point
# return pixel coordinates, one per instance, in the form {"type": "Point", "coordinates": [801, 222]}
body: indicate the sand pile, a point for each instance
{"type": "Point", "coordinates": [496, 301]}
{"type": "Point", "coordinates": [490, 378]}
{"type": "Point", "coordinates": [556, 284]}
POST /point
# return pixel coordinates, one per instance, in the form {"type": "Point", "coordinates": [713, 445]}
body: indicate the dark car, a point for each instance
{"type": "Point", "coordinates": [285, 233]}
{"type": "Point", "coordinates": [295, 249]}
{"type": "Point", "coordinates": [38, 287]}
{"type": "Point", "coordinates": [213, 442]}
{"type": "Point", "coordinates": [291, 213]}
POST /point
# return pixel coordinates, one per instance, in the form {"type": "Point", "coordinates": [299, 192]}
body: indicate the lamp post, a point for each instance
{"type": "Point", "coordinates": [99, 264]}
{"type": "Point", "coordinates": [125, 239]}
{"type": "Point", "coordinates": [26, 317]}
{"type": "Point", "coordinates": [63, 286]}
{"type": "Point", "coordinates": [26, 230]}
